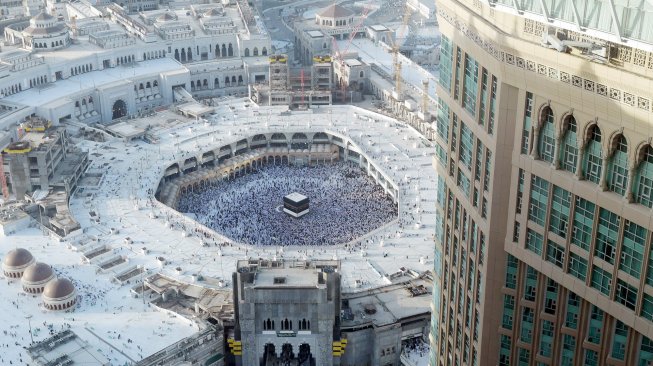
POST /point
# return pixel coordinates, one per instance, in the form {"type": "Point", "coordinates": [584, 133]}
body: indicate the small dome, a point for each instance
{"type": "Point", "coordinates": [37, 272]}
{"type": "Point", "coordinates": [165, 17]}
{"type": "Point", "coordinates": [18, 257]}
{"type": "Point", "coordinates": [214, 12]}
{"type": "Point", "coordinates": [43, 16]}
{"type": "Point", "coordinates": [59, 288]}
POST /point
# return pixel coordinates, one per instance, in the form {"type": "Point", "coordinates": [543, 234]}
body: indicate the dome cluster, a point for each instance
{"type": "Point", "coordinates": [39, 278]}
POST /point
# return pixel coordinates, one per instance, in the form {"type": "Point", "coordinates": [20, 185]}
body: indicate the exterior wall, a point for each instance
{"type": "Point", "coordinates": [565, 257]}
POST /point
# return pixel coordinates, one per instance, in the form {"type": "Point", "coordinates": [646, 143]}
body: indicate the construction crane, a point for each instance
{"type": "Point", "coordinates": [395, 52]}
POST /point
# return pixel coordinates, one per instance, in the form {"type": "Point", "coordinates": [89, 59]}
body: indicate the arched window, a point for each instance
{"type": "Point", "coordinates": [255, 51]}
{"type": "Point", "coordinates": [264, 51]}
{"type": "Point", "coordinates": [231, 50]}
{"type": "Point", "coordinates": [547, 138]}
{"type": "Point", "coordinates": [569, 148]}
{"type": "Point", "coordinates": [246, 52]}
{"type": "Point", "coordinates": [618, 166]}
{"type": "Point", "coordinates": [140, 87]}
{"type": "Point", "coordinates": [226, 80]}
{"type": "Point", "coordinates": [240, 79]}
{"type": "Point", "coordinates": [192, 85]}
{"type": "Point", "coordinates": [155, 83]}
{"type": "Point", "coordinates": [593, 157]}
{"type": "Point", "coordinates": [148, 85]}
{"type": "Point", "coordinates": [643, 189]}
{"type": "Point", "coordinates": [233, 80]}
{"type": "Point", "coordinates": [216, 83]}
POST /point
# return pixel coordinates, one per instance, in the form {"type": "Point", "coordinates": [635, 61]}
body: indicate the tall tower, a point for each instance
{"type": "Point", "coordinates": [545, 181]}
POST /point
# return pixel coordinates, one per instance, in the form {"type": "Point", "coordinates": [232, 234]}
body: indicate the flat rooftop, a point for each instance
{"type": "Point", "coordinates": [296, 197]}
{"type": "Point", "coordinates": [95, 79]}
{"type": "Point", "coordinates": [286, 277]}
{"type": "Point", "coordinates": [388, 304]}
{"type": "Point", "coordinates": [315, 33]}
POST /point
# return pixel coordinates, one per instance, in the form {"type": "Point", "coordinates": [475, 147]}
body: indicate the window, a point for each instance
{"type": "Point", "coordinates": [546, 339]}
{"type": "Point", "coordinates": [573, 309]}
{"type": "Point", "coordinates": [511, 272]}
{"type": "Point", "coordinates": [607, 234]}
{"type": "Point", "coordinates": [442, 119]}
{"type": "Point", "coordinates": [626, 294]}
{"type": "Point", "coordinates": [581, 233]}
{"type": "Point", "coordinates": [526, 334]}
{"type": "Point", "coordinates": [470, 87]}
{"type": "Point", "coordinates": [466, 146]}
{"type": "Point", "coordinates": [508, 311]}
{"type": "Point", "coordinates": [601, 280]}
{"type": "Point", "coordinates": [528, 115]}
{"type": "Point", "coordinates": [632, 249]}
{"type": "Point", "coordinates": [530, 285]}
{"type": "Point", "coordinates": [539, 200]}
{"type": "Point", "coordinates": [560, 207]}
{"type": "Point", "coordinates": [647, 307]}
{"type": "Point", "coordinates": [551, 296]}
{"type": "Point", "coordinates": [645, 352]}
{"type": "Point", "coordinates": [593, 157]}
{"type": "Point", "coordinates": [445, 63]}
{"type": "Point", "coordinates": [482, 107]}
{"type": "Point", "coordinates": [643, 188]}
{"type": "Point", "coordinates": [493, 102]}
{"type": "Point", "coordinates": [488, 169]}
{"type": "Point", "coordinates": [595, 325]}
{"type": "Point", "coordinates": [547, 138]}
{"type": "Point", "coordinates": [524, 356]}
{"type": "Point", "coordinates": [534, 241]}
{"type": "Point", "coordinates": [591, 358]}
{"type": "Point", "coordinates": [441, 155]}
{"type": "Point", "coordinates": [555, 253]}
{"type": "Point", "coordinates": [569, 156]}
{"type": "Point", "coordinates": [504, 352]}
{"type": "Point", "coordinates": [618, 167]}
{"type": "Point", "coordinates": [568, 349]}
{"type": "Point", "coordinates": [577, 266]}
{"type": "Point", "coordinates": [619, 341]}
{"type": "Point", "coordinates": [479, 160]}
{"type": "Point", "coordinates": [463, 182]}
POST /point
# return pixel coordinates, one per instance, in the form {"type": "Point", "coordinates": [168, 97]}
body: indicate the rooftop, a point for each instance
{"type": "Point", "coordinates": [335, 11]}
{"type": "Point", "coordinates": [295, 196]}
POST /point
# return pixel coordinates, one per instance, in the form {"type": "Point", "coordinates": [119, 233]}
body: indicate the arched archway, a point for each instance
{"type": "Point", "coordinates": [119, 109]}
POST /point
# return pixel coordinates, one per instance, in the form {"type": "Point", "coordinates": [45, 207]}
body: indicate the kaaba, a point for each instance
{"type": "Point", "coordinates": [295, 204]}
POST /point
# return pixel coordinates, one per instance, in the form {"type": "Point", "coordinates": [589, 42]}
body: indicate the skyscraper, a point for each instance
{"type": "Point", "coordinates": [545, 169]}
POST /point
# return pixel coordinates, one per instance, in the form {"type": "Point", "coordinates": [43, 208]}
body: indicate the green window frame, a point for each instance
{"type": "Point", "coordinates": [526, 127]}
{"type": "Point", "coordinates": [626, 294]}
{"type": "Point", "coordinates": [442, 121]}
{"type": "Point", "coordinates": [466, 146]}
{"type": "Point", "coordinates": [581, 234]}
{"type": "Point", "coordinates": [539, 200]}
{"type": "Point", "coordinates": [601, 280]}
{"type": "Point", "coordinates": [607, 235]}
{"type": "Point", "coordinates": [470, 87]}
{"type": "Point", "coordinates": [555, 253]}
{"type": "Point", "coordinates": [593, 157]}
{"type": "Point", "coordinates": [643, 188]}
{"type": "Point", "coordinates": [632, 249]}
{"type": "Point", "coordinates": [569, 156]}
{"type": "Point", "coordinates": [577, 266]}
{"type": "Point", "coordinates": [446, 60]}
{"type": "Point", "coordinates": [546, 338]}
{"type": "Point", "coordinates": [547, 138]}
{"type": "Point", "coordinates": [618, 168]}
{"type": "Point", "coordinates": [560, 208]}
{"type": "Point", "coordinates": [534, 241]}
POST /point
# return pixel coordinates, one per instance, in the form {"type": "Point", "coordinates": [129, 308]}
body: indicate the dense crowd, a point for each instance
{"type": "Point", "coordinates": [344, 204]}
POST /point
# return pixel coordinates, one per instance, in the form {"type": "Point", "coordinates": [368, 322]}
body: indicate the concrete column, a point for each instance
{"type": "Point", "coordinates": [536, 135]}
{"type": "Point", "coordinates": [579, 162]}
{"type": "Point", "coordinates": [630, 184]}
{"type": "Point", "coordinates": [556, 153]}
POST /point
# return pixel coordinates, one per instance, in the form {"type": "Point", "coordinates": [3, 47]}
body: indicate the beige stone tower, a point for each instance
{"type": "Point", "coordinates": [545, 193]}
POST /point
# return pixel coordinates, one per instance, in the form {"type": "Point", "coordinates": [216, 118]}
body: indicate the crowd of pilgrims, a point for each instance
{"type": "Point", "coordinates": [344, 204]}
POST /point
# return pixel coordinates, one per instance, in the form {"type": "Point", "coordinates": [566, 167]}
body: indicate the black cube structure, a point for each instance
{"type": "Point", "coordinates": [295, 204]}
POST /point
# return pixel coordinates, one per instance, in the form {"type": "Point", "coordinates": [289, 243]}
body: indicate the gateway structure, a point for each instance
{"type": "Point", "coordinates": [295, 204]}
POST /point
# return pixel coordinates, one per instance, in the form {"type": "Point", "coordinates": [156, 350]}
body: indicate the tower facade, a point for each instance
{"type": "Point", "coordinates": [545, 181]}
